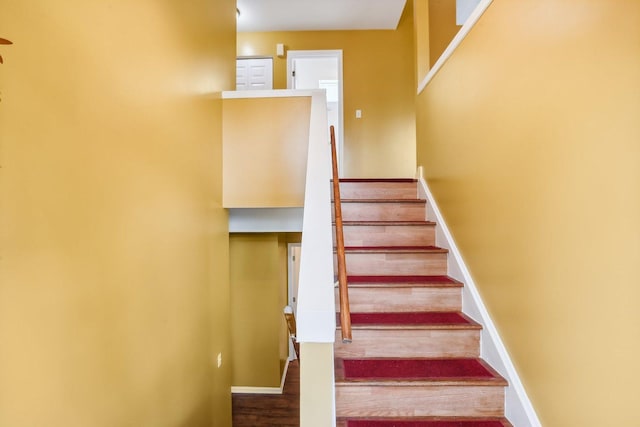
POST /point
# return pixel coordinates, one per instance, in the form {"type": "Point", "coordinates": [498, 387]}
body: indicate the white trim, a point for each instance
{"type": "Point", "coordinates": [264, 390]}
{"type": "Point", "coordinates": [466, 28]}
{"type": "Point", "coordinates": [336, 53]}
{"type": "Point", "coordinates": [316, 303]}
{"type": "Point", "coordinates": [316, 316]}
{"type": "Point", "coordinates": [253, 57]}
{"type": "Point", "coordinates": [518, 407]}
{"type": "Point", "coordinates": [255, 390]}
{"type": "Point", "coordinates": [265, 220]}
{"type": "Point", "coordinates": [277, 93]}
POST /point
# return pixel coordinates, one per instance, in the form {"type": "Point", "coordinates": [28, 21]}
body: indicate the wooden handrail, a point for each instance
{"type": "Point", "coordinates": [345, 314]}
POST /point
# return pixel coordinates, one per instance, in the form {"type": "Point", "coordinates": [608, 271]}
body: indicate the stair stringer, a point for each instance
{"type": "Point", "coordinates": [518, 407]}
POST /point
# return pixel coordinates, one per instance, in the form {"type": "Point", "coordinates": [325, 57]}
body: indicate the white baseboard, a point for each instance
{"type": "Point", "coordinates": [518, 408]}
{"type": "Point", "coordinates": [263, 390]}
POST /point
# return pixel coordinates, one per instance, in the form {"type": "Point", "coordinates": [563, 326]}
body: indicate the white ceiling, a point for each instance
{"type": "Point", "coordinates": [315, 15]}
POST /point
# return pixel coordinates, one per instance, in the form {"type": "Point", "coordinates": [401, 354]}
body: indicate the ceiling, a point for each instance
{"type": "Point", "coordinates": [316, 15]}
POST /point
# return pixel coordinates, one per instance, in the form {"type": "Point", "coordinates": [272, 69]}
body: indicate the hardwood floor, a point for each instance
{"type": "Point", "coordinates": [270, 410]}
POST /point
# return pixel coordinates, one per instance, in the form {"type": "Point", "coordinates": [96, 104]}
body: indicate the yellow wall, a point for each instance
{"type": "Point", "coordinates": [258, 271]}
{"type": "Point", "coordinates": [442, 27]}
{"type": "Point", "coordinates": [530, 140]}
{"type": "Point", "coordinates": [255, 311]}
{"type": "Point", "coordinates": [378, 69]}
{"type": "Point", "coordinates": [265, 151]}
{"type": "Point", "coordinates": [114, 255]}
{"type": "Point", "coordinates": [421, 38]}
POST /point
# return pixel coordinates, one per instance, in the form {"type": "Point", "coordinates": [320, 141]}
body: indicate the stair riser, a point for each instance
{"type": "Point", "coordinates": [389, 235]}
{"type": "Point", "coordinates": [409, 343]}
{"type": "Point", "coordinates": [378, 190]}
{"type": "Point", "coordinates": [381, 299]}
{"type": "Point", "coordinates": [390, 211]}
{"type": "Point", "coordinates": [396, 264]}
{"type": "Point", "coordinates": [419, 401]}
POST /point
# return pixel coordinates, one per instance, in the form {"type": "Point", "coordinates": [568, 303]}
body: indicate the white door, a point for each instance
{"type": "Point", "coordinates": [320, 69]}
{"type": "Point", "coordinates": [254, 73]}
{"type": "Point", "coordinates": [294, 273]}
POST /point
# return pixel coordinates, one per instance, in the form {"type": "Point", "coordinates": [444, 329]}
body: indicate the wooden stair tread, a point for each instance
{"type": "Point", "coordinates": [408, 201]}
{"type": "Point", "coordinates": [408, 279]}
{"type": "Point", "coordinates": [386, 223]}
{"type": "Point", "coordinates": [402, 281]}
{"type": "Point", "coordinates": [416, 372]}
{"type": "Point", "coordinates": [396, 249]}
{"type": "Point", "coordinates": [424, 422]}
{"type": "Point", "coordinates": [412, 320]}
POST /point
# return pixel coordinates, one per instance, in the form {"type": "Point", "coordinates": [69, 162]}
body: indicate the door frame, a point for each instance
{"type": "Point", "coordinates": [292, 296]}
{"type": "Point", "coordinates": [337, 53]}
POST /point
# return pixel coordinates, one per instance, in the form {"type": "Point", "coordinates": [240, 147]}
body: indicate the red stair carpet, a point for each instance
{"type": "Point", "coordinates": [410, 318]}
{"type": "Point", "coordinates": [397, 180]}
{"type": "Point", "coordinates": [425, 423]}
{"type": "Point", "coordinates": [415, 369]}
{"type": "Point", "coordinates": [391, 248]}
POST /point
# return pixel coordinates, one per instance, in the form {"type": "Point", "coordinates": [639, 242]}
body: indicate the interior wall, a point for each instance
{"type": "Point", "coordinates": [442, 27]}
{"type": "Point", "coordinates": [259, 293]}
{"type": "Point", "coordinates": [114, 287]}
{"type": "Point", "coordinates": [256, 311]}
{"type": "Point", "coordinates": [421, 38]}
{"type": "Point", "coordinates": [283, 295]}
{"type": "Point", "coordinates": [530, 140]}
{"type": "Point", "coordinates": [375, 69]}
{"type": "Point", "coordinates": [265, 151]}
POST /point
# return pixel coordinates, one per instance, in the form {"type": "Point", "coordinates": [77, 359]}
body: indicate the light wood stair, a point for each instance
{"type": "Point", "coordinates": [415, 357]}
{"type": "Point", "coordinates": [394, 188]}
{"type": "Point", "coordinates": [396, 260]}
{"type": "Point", "coordinates": [414, 334]}
{"type": "Point", "coordinates": [404, 293]}
{"type": "Point", "coordinates": [389, 233]}
{"type": "Point", "coordinates": [400, 396]}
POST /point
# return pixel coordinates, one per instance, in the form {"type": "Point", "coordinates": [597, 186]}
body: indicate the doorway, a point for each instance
{"type": "Point", "coordinates": [293, 271]}
{"type": "Point", "coordinates": [320, 69]}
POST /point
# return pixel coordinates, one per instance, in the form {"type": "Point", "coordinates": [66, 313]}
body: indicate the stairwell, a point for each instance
{"type": "Point", "coordinates": [415, 357]}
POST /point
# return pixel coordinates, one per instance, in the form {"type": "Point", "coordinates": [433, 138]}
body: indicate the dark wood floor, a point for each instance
{"type": "Point", "coordinates": [270, 410]}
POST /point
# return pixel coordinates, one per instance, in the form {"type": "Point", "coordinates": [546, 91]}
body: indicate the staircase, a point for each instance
{"type": "Point", "coordinates": [415, 357]}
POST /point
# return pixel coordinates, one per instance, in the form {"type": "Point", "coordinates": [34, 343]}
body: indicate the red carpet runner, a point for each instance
{"type": "Point", "coordinates": [410, 318]}
{"type": "Point", "coordinates": [417, 369]}
{"type": "Point", "coordinates": [392, 423]}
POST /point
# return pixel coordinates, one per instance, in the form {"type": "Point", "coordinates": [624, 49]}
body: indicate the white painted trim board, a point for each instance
{"type": "Point", "coordinates": [316, 316]}
{"type": "Point", "coordinates": [263, 390]}
{"type": "Point", "coordinates": [276, 93]}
